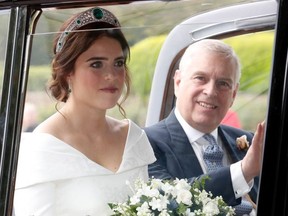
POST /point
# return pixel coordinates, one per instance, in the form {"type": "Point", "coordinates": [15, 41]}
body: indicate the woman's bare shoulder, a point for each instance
{"type": "Point", "coordinates": [51, 125]}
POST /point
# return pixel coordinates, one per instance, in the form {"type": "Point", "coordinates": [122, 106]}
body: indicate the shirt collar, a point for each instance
{"type": "Point", "coordinates": [192, 134]}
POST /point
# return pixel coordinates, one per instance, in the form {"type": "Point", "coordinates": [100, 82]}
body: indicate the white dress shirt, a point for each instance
{"type": "Point", "coordinates": [240, 186]}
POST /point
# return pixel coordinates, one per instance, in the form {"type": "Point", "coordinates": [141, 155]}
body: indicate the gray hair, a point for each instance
{"type": "Point", "coordinates": [214, 46]}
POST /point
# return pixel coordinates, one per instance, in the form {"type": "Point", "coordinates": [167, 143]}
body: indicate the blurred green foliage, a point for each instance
{"type": "Point", "coordinates": [255, 53]}
{"type": "Point", "coordinates": [143, 60]}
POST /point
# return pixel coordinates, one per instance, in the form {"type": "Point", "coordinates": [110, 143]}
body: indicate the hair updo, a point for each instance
{"type": "Point", "coordinates": [75, 44]}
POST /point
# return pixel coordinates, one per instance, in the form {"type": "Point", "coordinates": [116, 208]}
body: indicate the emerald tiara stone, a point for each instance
{"type": "Point", "coordinates": [98, 14]}
{"type": "Point", "coordinates": [92, 15]}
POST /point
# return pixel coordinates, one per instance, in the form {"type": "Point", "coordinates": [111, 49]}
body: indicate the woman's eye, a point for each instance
{"type": "Point", "coordinates": [119, 63]}
{"type": "Point", "coordinates": [97, 64]}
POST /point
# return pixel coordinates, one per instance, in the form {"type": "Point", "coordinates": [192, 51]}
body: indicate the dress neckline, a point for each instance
{"type": "Point", "coordinates": [79, 153]}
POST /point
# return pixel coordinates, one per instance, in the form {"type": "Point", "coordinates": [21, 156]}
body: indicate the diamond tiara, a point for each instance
{"type": "Point", "coordinates": [92, 15]}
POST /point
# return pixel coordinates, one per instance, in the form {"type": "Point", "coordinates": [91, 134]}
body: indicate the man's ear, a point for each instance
{"type": "Point", "coordinates": [234, 94]}
{"type": "Point", "coordinates": [177, 80]}
{"type": "Point", "coordinates": [177, 77]}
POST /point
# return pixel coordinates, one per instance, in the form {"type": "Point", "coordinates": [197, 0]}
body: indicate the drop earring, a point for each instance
{"type": "Point", "coordinates": [69, 87]}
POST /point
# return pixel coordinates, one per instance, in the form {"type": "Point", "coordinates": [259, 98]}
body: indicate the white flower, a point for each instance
{"type": "Point", "coordinates": [164, 213]}
{"type": "Point", "coordinates": [147, 191]}
{"type": "Point", "coordinates": [163, 198]}
{"type": "Point", "coordinates": [134, 199]}
{"type": "Point", "coordinates": [144, 210]}
{"type": "Point", "coordinates": [121, 208]}
{"type": "Point", "coordinates": [138, 183]}
{"type": "Point", "coordinates": [189, 213]}
{"type": "Point", "coordinates": [203, 196]}
{"type": "Point", "coordinates": [160, 204]}
{"type": "Point", "coordinates": [156, 183]}
{"type": "Point", "coordinates": [210, 208]}
{"type": "Point", "coordinates": [167, 188]}
{"type": "Point", "coordinates": [184, 196]}
{"type": "Point", "coordinates": [182, 184]}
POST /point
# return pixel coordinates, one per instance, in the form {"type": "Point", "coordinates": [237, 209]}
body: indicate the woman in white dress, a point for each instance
{"type": "Point", "coordinates": [79, 159]}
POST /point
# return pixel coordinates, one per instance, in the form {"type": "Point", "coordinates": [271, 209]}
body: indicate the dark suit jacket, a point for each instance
{"type": "Point", "coordinates": [176, 157]}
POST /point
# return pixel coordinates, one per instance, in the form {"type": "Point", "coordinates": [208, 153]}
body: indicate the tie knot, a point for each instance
{"type": "Point", "coordinates": [210, 139]}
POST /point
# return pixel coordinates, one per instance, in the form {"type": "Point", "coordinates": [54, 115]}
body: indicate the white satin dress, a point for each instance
{"type": "Point", "coordinates": [55, 179]}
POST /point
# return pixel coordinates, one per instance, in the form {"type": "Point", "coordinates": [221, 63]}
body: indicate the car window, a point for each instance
{"type": "Point", "coordinates": [251, 38]}
{"type": "Point", "coordinates": [4, 20]}
{"type": "Point", "coordinates": [251, 104]}
{"type": "Point", "coordinates": [158, 32]}
{"type": "Point", "coordinates": [146, 26]}
{"type": "Point", "coordinates": [4, 23]}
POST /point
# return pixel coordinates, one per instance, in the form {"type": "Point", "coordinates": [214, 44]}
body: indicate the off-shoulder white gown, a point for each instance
{"type": "Point", "coordinates": [54, 179]}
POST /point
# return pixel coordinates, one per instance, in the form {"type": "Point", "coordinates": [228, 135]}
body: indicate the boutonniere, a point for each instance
{"type": "Point", "coordinates": [242, 143]}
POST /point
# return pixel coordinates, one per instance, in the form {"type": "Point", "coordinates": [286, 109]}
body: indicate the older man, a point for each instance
{"type": "Point", "coordinates": [191, 143]}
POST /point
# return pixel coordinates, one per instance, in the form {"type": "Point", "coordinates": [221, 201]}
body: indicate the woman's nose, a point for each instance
{"type": "Point", "coordinates": [110, 73]}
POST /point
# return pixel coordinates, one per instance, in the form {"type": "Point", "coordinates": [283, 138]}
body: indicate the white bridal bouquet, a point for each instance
{"type": "Point", "coordinates": [175, 197]}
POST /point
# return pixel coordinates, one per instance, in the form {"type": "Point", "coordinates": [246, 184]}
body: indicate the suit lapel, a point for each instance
{"type": "Point", "coordinates": [182, 148]}
{"type": "Point", "coordinates": [229, 143]}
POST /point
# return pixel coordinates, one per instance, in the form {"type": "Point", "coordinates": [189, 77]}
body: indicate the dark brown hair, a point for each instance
{"type": "Point", "coordinates": [75, 44]}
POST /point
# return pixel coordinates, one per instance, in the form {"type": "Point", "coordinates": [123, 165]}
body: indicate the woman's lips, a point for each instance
{"type": "Point", "coordinates": [109, 89]}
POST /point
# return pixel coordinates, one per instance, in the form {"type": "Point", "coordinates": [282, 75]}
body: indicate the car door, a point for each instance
{"type": "Point", "coordinates": [183, 22]}
{"type": "Point", "coordinates": [225, 23]}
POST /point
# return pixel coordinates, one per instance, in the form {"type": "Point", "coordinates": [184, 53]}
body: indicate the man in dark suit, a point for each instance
{"type": "Point", "coordinates": [205, 85]}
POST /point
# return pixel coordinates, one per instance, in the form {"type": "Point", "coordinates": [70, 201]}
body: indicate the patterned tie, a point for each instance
{"type": "Point", "coordinates": [213, 156]}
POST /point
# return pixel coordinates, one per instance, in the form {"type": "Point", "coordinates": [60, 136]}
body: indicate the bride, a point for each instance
{"type": "Point", "coordinates": [79, 159]}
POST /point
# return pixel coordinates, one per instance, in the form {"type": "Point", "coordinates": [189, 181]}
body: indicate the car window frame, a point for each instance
{"type": "Point", "coordinates": [273, 189]}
